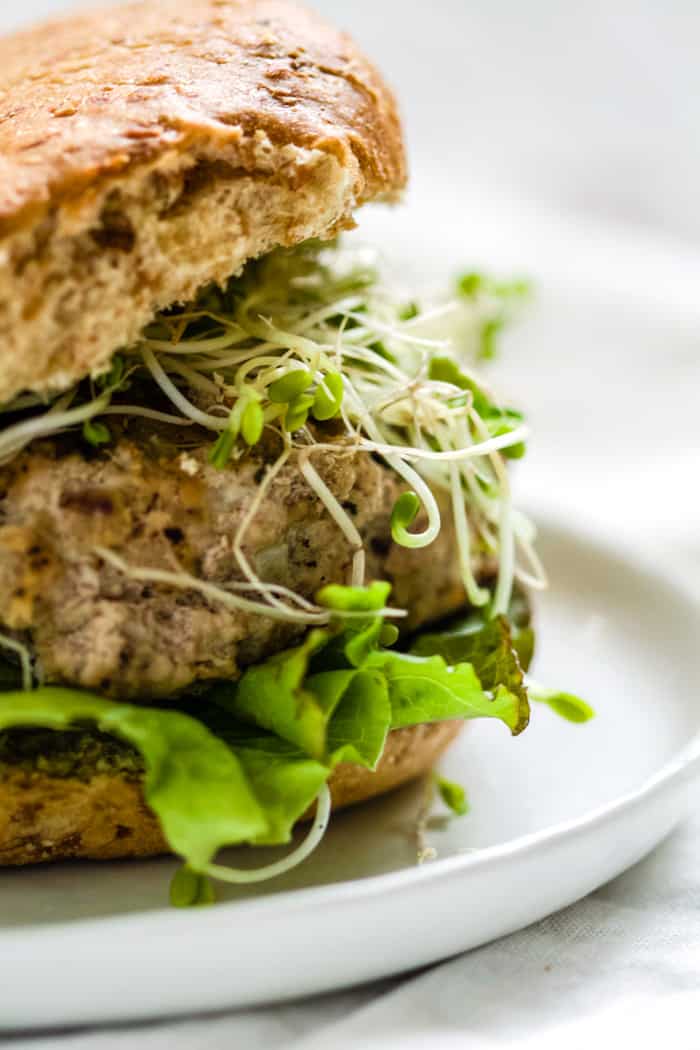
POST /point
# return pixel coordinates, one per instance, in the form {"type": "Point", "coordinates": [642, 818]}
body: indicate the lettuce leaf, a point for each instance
{"type": "Point", "coordinates": [338, 694]}
{"type": "Point", "coordinates": [285, 782]}
{"type": "Point", "coordinates": [194, 782]}
{"type": "Point", "coordinates": [493, 647]}
{"type": "Point", "coordinates": [244, 762]}
{"type": "Point", "coordinates": [333, 714]}
{"type": "Point", "coordinates": [427, 689]}
{"type": "Point", "coordinates": [279, 695]}
{"type": "Point", "coordinates": [360, 723]}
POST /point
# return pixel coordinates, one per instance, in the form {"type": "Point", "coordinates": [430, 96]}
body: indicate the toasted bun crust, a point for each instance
{"type": "Point", "coordinates": [152, 148]}
{"type": "Point", "coordinates": [46, 818]}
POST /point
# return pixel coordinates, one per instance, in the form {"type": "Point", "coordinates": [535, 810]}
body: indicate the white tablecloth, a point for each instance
{"type": "Point", "coordinates": [593, 111]}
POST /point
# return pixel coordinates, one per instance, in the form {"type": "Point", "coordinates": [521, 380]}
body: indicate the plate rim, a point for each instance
{"type": "Point", "coordinates": [684, 765]}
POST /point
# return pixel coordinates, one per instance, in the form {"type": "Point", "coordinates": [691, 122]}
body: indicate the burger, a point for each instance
{"type": "Point", "coordinates": [258, 553]}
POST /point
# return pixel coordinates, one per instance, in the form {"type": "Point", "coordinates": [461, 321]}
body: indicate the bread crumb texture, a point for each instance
{"type": "Point", "coordinates": [149, 149]}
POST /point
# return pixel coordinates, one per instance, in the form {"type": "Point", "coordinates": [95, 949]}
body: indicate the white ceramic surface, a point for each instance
{"type": "Point", "coordinates": [555, 813]}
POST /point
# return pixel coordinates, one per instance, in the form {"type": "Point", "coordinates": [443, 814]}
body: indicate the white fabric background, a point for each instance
{"type": "Point", "coordinates": [589, 113]}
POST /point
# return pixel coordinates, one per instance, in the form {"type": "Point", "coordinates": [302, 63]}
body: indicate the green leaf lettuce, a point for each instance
{"type": "Point", "coordinates": [242, 763]}
{"type": "Point", "coordinates": [194, 782]}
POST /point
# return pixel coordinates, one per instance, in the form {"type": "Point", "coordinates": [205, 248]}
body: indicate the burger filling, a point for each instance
{"type": "Point", "coordinates": [228, 553]}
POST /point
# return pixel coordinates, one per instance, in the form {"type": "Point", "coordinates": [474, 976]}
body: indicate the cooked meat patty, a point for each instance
{"type": "Point", "coordinates": [90, 625]}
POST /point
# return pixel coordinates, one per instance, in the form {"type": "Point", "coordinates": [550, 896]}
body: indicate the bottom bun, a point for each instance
{"type": "Point", "coordinates": [46, 818]}
{"type": "Point", "coordinates": [408, 754]}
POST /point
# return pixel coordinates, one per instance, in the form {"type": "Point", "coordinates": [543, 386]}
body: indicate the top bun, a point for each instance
{"type": "Point", "coordinates": [151, 148]}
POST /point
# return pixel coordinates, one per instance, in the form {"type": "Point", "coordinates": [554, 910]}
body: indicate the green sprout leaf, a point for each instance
{"type": "Point", "coordinates": [505, 424]}
{"type": "Point", "coordinates": [453, 795]}
{"type": "Point", "coordinates": [342, 599]}
{"type": "Point", "coordinates": [96, 433]}
{"type": "Point", "coordinates": [189, 888]}
{"type": "Point", "coordinates": [113, 379]}
{"type": "Point", "coordinates": [445, 370]}
{"type": "Point", "coordinates": [489, 333]}
{"type": "Point", "coordinates": [289, 386]}
{"type": "Point", "coordinates": [499, 297]}
{"type": "Point", "coordinates": [403, 514]}
{"type": "Point", "coordinates": [498, 420]}
{"type": "Point", "coordinates": [566, 705]}
{"type": "Point", "coordinates": [469, 284]}
{"type": "Point", "coordinates": [252, 422]}
{"type": "Point", "coordinates": [328, 397]}
{"type": "Point", "coordinates": [408, 311]}
{"type": "Point", "coordinates": [389, 634]}
{"type": "Point", "coordinates": [220, 452]}
{"type": "Point", "coordinates": [379, 347]}
{"type": "Point", "coordinates": [298, 412]}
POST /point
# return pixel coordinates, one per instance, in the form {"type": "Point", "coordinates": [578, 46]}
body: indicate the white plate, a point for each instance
{"type": "Point", "coordinates": [555, 813]}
